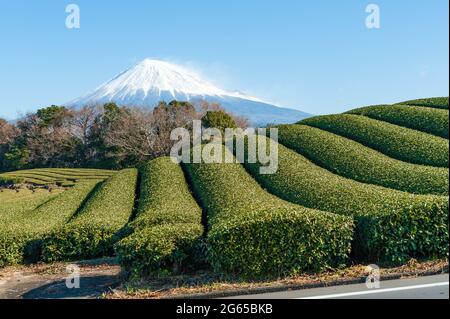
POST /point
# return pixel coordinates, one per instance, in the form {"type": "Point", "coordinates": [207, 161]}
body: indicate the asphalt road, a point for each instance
{"type": "Point", "coordinates": [430, 287]}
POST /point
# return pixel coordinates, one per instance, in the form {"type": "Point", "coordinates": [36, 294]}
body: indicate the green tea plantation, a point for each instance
{"type": "Point", "coordinates": [368, 185]}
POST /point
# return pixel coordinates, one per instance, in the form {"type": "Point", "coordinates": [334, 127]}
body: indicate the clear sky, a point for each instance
{"type": "Point", "coordinates": [317, 56]}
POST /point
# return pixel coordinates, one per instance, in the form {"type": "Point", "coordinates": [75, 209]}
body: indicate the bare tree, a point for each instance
{"type": "Point", "coordinates": [105, 136]}
{"type": "Point", "coordinates": [49, 143]}
{"type": "Point", "coordinates": [139, 134]}
{"type": "Point", "coordinates": [7, 132]}
{"type": "Point", "coordinates": [83, 120]}
{"type": "Point", "coordinates": [132, 136]}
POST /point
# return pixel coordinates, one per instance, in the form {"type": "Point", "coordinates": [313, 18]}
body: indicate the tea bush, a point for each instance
{"type": "Point", "coordinates": [46, 176]}
{"type": "Point", "coordinates": [253, 233]}
{"type": "Point", "coordinates": [13, 204]}
{"type": "Point", "coordinates": [392, 140]}
{"type": "Point", "coordinates": [96, 227]}
{"type": "Point", "coordinates": [160, 247]}
{"type": "Point", "coordinates": [428, 120]}
{"type": "Point", "coordinates": [353, 160]}
{"type": "Point", "coordinates": [21, 237]}
{"type": "Point", "coordinates": [168, 227]}
{"type": "Point", "coordinates": [437, 102]}
{"type": "Point", "coordinates": [390, 225]}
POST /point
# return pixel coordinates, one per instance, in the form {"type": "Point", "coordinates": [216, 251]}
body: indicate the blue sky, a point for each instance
{"type": "Point", "coordinates": [316, 56]}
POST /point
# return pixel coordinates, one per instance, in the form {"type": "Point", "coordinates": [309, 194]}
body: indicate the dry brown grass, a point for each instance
{"type": "Point", "coordinates": [206, 283]}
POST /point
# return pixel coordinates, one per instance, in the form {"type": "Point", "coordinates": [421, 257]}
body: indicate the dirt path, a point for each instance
{"type": "Point", "coordinates": [50, 281]}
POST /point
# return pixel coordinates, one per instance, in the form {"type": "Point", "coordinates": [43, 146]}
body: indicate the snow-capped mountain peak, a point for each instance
{"type": "Point", "coordinates": [154, 76]}
{"type": "Point", "coordinates": [152, 81]}
{"type": "Point", "coordinates": [162, 76]}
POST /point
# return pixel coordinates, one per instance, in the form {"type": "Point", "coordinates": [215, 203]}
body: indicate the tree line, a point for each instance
{"type": "Point", "coordinates": [101, 136]}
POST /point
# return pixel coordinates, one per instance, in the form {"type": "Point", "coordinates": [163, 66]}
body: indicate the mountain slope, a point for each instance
{"type": "Point", "coordinates": [152, 81]}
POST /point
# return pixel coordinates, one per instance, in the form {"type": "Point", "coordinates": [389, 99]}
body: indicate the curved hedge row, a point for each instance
{"type": "Point", "coordinates": [21, 239]}
{"type": "Point", "coordinates": [13, 204]}
{"type": "Point", "coordinates": [158, 247]}
{"type": "Point", "coordinates": [353, 160]}
{"type": "Point", "coordinates": [168, 227]}
{"type": "Point", "coordinates": [437, 102]}
{"type": "Point", "coordinates": [254, 233]}
{"type": "Point", "coordinates": [63, 176]}
{"type": "Point", "coordinates": [391, 225]}
{"type": "Point", "coordinates": [428, 120]}
{"type": "Point", "coordinates": [395, 141]}
{"type": "Point", "coordinates": [94, 230]}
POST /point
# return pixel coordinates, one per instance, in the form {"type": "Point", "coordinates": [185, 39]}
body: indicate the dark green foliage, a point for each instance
{"type": "Point", "coordinates": [391, 225]}
{"type": "Point", "coordinates": [353, 160]}
{"type": "Point", "coordinates": [428, 120]}
{"type": "Point", "coordinates": [94, 230]}
{"type": "Point", "coordinates": [218, 119]}
{"type": "Point", "coordinates": [253, 233]}
{"type": "Point", "coordinates": [16, 157]}
{"type": "Point", "coordinates": [5, 181]}
{"type": "Point", "coordinates": [398, 142]}
{"type": "Point", "coordinates": [168, 226]}
{"type": "Point", "coordinates": [50, 115]}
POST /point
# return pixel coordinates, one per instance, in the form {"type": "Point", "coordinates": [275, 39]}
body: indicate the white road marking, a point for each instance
{"type": "Point", "coordinates": [377, 291]}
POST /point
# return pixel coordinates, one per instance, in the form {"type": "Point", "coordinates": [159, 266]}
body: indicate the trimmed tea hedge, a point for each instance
{"type": "Point", "coordinates": [437, 102]}
{"type": "Point", "coordinates": [253, 233]}
{"type": "Point", "coordinates": [165, 196]}
{"type": "Point", "coordinates": [391, 225]}
{"type": "Point", "coordinates": [94, 230]}
{"type": "Point", "coordinates": [428, 120]}
{"type": "Point", "coordinates": [156, 248]}
{"type": "Point", "coordinates": [168, 227]}
{"type": "Point", "coordinates": [62, 176]}
{"type": "Point", "coordinates": [353, 160]}
{"type": "Point", "coordinates": [21, 237]}
{"type": "Point", "coordinates": [13, 204]}
{"type": "Point", "coordinates": [398, 142]}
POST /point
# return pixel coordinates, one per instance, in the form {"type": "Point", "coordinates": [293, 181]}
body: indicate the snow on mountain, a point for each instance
{"type": "Point", "coordinates": [152, 81]}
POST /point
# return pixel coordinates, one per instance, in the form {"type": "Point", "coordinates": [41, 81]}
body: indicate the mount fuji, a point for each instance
{"type": "Point", "coordinates": [152, 81]}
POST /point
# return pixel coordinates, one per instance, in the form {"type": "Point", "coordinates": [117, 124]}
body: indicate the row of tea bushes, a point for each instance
{"type": "Point", "coordinates": [21, 238]}
{"type": "Point", "coordinates": [167, 231]}
{"type": "Point", "coordinates": [428, 120]}
{"type": "Point", "coordinates": [253, 233]}
{"type": "Point", "coordinates": [97, 226]}
{"type": "Point", "coordinates": [392, 140]}
{"type": "Point", "coordinates": [353, 160]}
{"type": "Point", "coordinates": [390, 225]}
{"type": "Point", "coordinates": [436, 102]}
